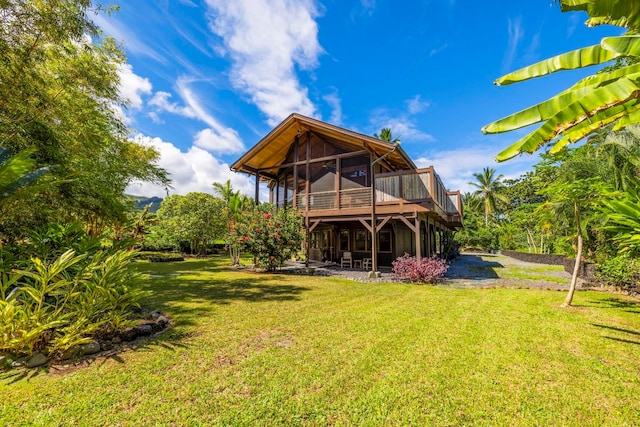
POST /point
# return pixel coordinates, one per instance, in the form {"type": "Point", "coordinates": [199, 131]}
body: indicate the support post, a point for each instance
{"type": "Point", "coordinates": [374, 222]}
{"type": "Point", "coordinates": [418, 239]}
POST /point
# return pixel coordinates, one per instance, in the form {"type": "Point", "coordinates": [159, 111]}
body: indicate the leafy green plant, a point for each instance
{"type": "Point", "coordinates": [271, 237]}
{"type": "Point", "coordinates": [622, 271]}
{"type": "Point", "coordinates": [51, 307]}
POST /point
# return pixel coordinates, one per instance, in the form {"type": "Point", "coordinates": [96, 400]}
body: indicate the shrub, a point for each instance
{"type": "Point", "coordinates": [271, 237]}
{"type": "Point", "coordinates": [621, 271]}
{"type": "Point", "coordinates": [50, 307]}
{"type": "Point", "coordinates": [427, 270]}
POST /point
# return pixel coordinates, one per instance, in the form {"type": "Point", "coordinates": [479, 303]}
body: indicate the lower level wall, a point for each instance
{"type": "Point", "coordinates": [537, 258]}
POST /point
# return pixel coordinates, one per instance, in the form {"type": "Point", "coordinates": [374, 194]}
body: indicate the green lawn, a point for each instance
{"type": "Point", "coordinates": [250, 349]}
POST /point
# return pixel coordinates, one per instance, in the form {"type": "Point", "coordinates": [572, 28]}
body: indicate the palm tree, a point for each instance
{"type": "Point", "coordinates": [489, 189]}
{"type": "Point", "coordinates": [235, 204]}
{"type": "Point", "coordinates": [225, 191]}
{"type": "Point", "coordinates": [387, 136]}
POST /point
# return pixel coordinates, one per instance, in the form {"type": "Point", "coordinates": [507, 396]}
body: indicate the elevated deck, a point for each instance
{"type": "Point", "coordinates": [408, 192]}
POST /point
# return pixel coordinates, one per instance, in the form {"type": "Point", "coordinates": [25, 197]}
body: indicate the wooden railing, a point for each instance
{"type": "Point", "coordinates": [409, 186]}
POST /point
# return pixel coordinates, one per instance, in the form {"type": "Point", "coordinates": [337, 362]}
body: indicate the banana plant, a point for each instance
{"type": "Point", "coordinates": [598, 100]}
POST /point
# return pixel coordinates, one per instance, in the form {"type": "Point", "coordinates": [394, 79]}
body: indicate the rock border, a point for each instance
{"type": "Point", "coordinates": [158, 323]}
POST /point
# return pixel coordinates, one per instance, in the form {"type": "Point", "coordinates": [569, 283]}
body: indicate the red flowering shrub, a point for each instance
{"type": "Point", "coordinates": [427, 270]}
{"type": "Point", "coordinates": [271, 237]}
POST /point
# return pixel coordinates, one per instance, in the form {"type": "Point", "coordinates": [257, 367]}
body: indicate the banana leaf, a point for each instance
{"type": "Point", "coordinates": [623, 13]}
{"type": "Point", "coordinates": [600, 119]}
{"type": "Point", "coordinates": [623, 45]}
{"type": "Point", "coordinates": [603, 99]}
{"type": "Point", "coordinates": [579, 58]}
{"type": "Point", "coordinates": [546, 109]}
{"type": "Point", "coordinates": [625, 121]}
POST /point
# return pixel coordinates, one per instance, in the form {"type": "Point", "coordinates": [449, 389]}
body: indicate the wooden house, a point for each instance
{"type": "Point", "coordinates": [328, 172]}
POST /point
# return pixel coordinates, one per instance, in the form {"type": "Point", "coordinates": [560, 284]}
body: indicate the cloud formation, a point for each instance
{"type": "Point", "coordinates": [193, 170]}
{"type": "Point", "coordinates": [402, 123]}
{"type": "Point", "coordinates": [515, 33]}
{"type": "Point", "coordinates": [217, 138]}
{"type": "Point", "coordinates": [132, 86]}
{"type": "Point", "coordinates": [266, 42]}
{"type": "Point", "coordinates": [456, 167]}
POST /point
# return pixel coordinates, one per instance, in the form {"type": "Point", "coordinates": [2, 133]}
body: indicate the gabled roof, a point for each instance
{"type": "Point", "coordinates": [271, 151]}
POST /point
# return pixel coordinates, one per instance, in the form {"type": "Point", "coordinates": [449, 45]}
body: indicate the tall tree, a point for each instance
{"type": "Point", "coordinates": [489, 187]}
{"type": "Point", "coordinates": [58, 89]}
{"type": "Point", "coordinates": [571, 199]}
{"type": "Point", "coordinates": [608, 97]}
{"type": "Point", "coordinates": [196, 219]}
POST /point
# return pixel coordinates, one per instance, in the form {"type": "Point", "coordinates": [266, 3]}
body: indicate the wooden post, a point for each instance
{"type": "Point", "coordinates": [418, 239]}
{"type": "Point", "coordinates": [257, 190]}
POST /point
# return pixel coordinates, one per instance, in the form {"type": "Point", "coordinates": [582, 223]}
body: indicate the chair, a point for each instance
{"type": "Point", "coordinates": [346, 260]}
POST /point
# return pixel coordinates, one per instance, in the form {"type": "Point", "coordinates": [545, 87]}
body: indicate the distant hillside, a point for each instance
{"type": "Point", "coordinates": [140, 202]}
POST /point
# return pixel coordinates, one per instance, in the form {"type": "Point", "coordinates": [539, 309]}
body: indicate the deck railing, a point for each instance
{"type": "Point", "coordinates": [407, 186]}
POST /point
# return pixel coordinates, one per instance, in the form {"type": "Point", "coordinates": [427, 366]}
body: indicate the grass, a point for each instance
{"type": "Point", "coordinates": [528, 272]}
{"type": "Point", "coordinates": [249, 349]}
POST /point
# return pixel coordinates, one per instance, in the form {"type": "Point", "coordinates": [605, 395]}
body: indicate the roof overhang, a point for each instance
{"type": "Point", "coordinates": [271, 151]}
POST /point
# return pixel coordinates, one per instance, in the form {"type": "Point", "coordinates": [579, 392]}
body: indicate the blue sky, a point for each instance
{"type": "Point", "coordinates": [207, 79]}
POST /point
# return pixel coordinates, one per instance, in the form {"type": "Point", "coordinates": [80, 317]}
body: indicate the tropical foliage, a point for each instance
{"type": "Point", "coordinates": [59, 101]}
{"type": "Point", "coordinates": [489, 188]}
{"type": "Point", "coordinates": [271, 236]}
{"type": "Point", "coordinates": [607, 97]}
{"type": "Point", "coordinates": [235, 205]}
{"type": "Point", "coordinates": [52, 306]}
{"type": "Point", "coordinates": [192, 222]}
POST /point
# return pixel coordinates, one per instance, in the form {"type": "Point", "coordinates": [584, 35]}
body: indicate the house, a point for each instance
{"type": "Point", "coordinates": [327, 173]}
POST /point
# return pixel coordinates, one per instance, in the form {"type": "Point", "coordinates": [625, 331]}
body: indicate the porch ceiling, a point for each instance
{"type": "Point", "coordinates": [271, 151]}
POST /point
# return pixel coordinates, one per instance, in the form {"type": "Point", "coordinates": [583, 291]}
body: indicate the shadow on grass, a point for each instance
{"type": "Point", "coordinates": [474, 267]}
{"type": "Point", "coordinates": [167, 339]}
{"type": "Point", "coordinates": [185, 291]}
{"type": "Point", "coordinates": [619, 303]}
{"type": "Point", "coordinates": [624, 331]}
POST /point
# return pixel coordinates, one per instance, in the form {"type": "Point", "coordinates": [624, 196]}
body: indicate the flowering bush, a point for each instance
{"type": "Point", "coordinates": [271, 237]}
{"type": "Point", "coordinates": [427, 270]}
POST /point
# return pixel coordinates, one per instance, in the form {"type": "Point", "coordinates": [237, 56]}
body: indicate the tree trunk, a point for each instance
{"type": "Point", "coordinates": [576, 267]}
{"type": "Point", "coordinates": [486, 214]}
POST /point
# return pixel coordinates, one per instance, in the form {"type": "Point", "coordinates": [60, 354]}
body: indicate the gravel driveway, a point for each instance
{"type": "Point", "coordinates": [494, 270]}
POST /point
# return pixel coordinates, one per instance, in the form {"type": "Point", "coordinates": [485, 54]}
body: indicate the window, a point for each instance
{"type": "Point", "coordinates": [384, 245]}
{"type": "Point", "coordinates": [362, 241]}
{"type": "Point", "coordinates": [344, 240]}
{"type": "Point", "coordinates": [315, 240]}
{"type": "Point", "coordinates": [355, 172]}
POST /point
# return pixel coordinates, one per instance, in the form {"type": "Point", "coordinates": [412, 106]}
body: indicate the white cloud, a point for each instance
{"type": "Point", "coordinates": [416, 105]}
{"type": "Point", "coordinates": [128, 38]}
{"type": "Point", "coordinates": [438, 49]}
{"type": "Point", "coordinates": [266, 42]}
{"type": "Point", "coordinates": [516, 33]}
{"type": "Point", "coordinates": [217, 137]}
{"type": "Point", "coordinates": [211, 140]}
{"type": "Point", "coordinates": [456, 167]}
{"type": "Point", "coordinates": [193, 170]}
{"type": "Point", "coordinates": [334, 101]}
{"type": "Point", "coordinates": [401, 126]}
{"type": "Point", "coordinates": [132, 86]}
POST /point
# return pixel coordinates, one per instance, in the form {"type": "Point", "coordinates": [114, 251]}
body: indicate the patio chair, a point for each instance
{"type": "Point", "coordinates": [346, 260]}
